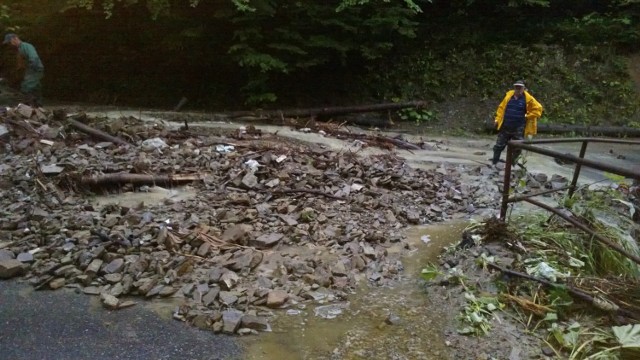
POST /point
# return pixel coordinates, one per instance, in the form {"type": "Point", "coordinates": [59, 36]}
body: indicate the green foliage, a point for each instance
{"type": "Point", "coordinates": [419, 116]}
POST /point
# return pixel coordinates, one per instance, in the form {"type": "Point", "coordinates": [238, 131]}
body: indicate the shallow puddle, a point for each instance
{"type": "Point", "coordinates": [361, 331]}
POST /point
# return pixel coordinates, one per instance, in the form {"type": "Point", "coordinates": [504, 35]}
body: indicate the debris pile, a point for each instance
{"type": "Point", "coordinates": [273, 223]}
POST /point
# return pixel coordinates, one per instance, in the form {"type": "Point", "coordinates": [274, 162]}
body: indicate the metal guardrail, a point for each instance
{"type": "Point", "coordinates": [580, 161]}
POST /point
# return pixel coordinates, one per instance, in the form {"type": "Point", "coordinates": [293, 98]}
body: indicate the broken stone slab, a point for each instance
{"type": "Point", "coordinates": [266, 240]}
{"type": "Point", "coordinates": [94, 267]}
{"type": "Point", "coordinates": [10, 268]}
{"type": "Point", "coordinates": [231, 321]}
{"type": "Point", "coordinates": [51, 169]}
{"type": "Point", "coordinates": [277, 298]}
{"type": "Point", "coordinates": [228, 298]}
{"type": "Point", "coordinates": [57, 283]}
{"type": "Point", "coordinates": [109, 301]}
{"type": "Point", "coordinates": [229, 280]}
{"type": "Point", "coordinates": [114, 266]}
{"type": "Point", "coordinates": [211, 296]}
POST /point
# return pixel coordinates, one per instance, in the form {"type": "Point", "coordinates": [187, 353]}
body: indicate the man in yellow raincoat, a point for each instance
{"type": "Point", "coordinates": [516, 118]}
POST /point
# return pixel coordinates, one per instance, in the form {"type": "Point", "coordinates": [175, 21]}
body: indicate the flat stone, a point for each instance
{"type": "Point", "coordinates": [10, 268]}
{"type": "Point", "coordinates": [204, 249]}
{"type": "Point", "coordinates": [250, 181]}
{"type": "Point", "coordinates": [235, 234]}
{"type": "Point", "coordinates": [94, 267]}
{"type": "Point", "coordinates": [114, 266]}
{"type": "Point", "coordinates": [228, 298]}
{"type": "Point", "coordinates": [57, 283]}
{"type": "Point", "coordinates": [91, 290]}
{"type": "Point", "coordinates": [266, 240]}
{"type": "Point", "coordinates": [289, 220]}
{"type": "Point", "coordinates": [231, 321]}
{"type": "Point", "coordinates": [277, 298]}
{"type": "Point", "coordinates": [254, 322]}
{"type": "Point", "coordinates": [6, 255]}
{"type": "Point", "coordinates": [51, 169]}
{"type": "Point", "coordinates": [211, 296]}
{"type": "Point", "coordinates": [229, 280]}
{"type": "Point", "coordinates": [64, 270]}
{"type": "Point", "coordinates": [167, 291]}
{"type": "Point", "coordinates": [113, 278]}
{"type": "Point", "coordinates": [109, 301]}
{"type": "Point", "coordinates": [25, 257]}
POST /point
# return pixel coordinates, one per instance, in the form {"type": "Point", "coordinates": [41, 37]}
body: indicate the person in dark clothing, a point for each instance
{"type": "Point", "coordinates": [28, 60]}
{"type": "Point", "coordinates": [516, 118]}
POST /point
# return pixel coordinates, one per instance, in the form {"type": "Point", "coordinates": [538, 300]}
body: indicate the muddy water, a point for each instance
{"type": "Point", "coordinates": [361, 331]}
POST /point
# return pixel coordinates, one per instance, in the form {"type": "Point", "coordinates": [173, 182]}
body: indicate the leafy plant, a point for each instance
{"type": "Point", "coordinates": [419, 116]}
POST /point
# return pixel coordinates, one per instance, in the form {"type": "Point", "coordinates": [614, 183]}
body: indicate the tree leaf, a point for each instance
{"type": "Point", "coordinates": [628, 335]}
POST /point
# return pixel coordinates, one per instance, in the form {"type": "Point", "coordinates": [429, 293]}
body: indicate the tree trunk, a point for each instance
{"type": "Point", "coordinates": [328, 111]}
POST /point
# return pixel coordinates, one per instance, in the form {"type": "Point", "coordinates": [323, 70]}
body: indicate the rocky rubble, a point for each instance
{"type": "Point", "coordinates": [275, 223]}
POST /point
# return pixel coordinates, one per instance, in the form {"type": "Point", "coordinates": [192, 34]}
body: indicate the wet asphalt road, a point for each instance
{"type": "Point", "coordinates": [63, 325]}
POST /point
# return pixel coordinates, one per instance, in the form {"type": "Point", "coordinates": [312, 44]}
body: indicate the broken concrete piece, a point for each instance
{"type": "Point", "coordinates": [10, 268]}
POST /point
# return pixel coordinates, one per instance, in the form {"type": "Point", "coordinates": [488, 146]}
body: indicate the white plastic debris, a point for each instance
{"type": "Point", "coordinates": [322, 132]}
{"type": "Point", "coordinates": [281, 158]}
{"type": "Point", "coordinates": [305, 130]}
{"type": "Point", "coordinates": [225, 149]}
{"type": "Point", "coordinates": [425, 239]}
{"type": "Point", "coordinates": [542, 269]}
{"type": "Point", "coordinates": [252, 165]}
{"type": "Point", "coordinates": [154, 144]}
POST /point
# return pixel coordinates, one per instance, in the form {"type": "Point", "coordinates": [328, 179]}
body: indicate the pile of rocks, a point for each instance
{"type": "Point", "coordinates": [274, 223]}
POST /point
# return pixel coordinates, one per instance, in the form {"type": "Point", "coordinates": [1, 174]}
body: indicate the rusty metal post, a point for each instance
{"type": "Point", "coordinates": [506, 186]}
{"type": "Point", "coordinates": [576, 171]}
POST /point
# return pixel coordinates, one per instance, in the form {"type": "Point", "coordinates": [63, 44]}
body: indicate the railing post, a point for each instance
{"type": "Point", "coordinates": [507, 183]}
{"type": "Point", "coordinates": [576, 171]}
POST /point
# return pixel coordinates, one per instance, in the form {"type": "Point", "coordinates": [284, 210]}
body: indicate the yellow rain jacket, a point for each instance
{"type": "Point", "coordinates": [533, 112]}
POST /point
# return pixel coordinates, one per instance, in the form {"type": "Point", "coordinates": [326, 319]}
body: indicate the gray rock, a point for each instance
{"type": "Point", "coordinates": [277, 298]}
{"type": "Point", "coordinates": [235, 234]}
{"type": "Point", "coordinates": [211, 296]}
{"type": "Point", "coordinates": [392, 319]}
{"type": "Point", "coordinates": [57, 283]}
{"type": "Point", "coordinates": [228, 298]}
{"type": "Point", "coordinates": [229, 280]}
{"type": "Point", "coordinates": [91, 290]}
{"type": "Point", "coordinates": [250, 181]}
{"type": "Point", "coordinates": [6, 255]}
{"type": "Point", "coordinates": [94, 267]}
{"type": "Point", "coordinates": [109, 301]}
{"type": "Point", "coordinates": [113, 278]}
{"type": "Point", "coordinates": [10, 268]}
{"type": "Point", "coordinates": [204, 249]}
{"type": "Point", "coordinates": [231, 321]}
{"type": "Point", "coordinates": [114, 266]}
{"type": "Point", "coordinates": [25, 257]}
{"type": "Point", "coordinates": [266, 240]}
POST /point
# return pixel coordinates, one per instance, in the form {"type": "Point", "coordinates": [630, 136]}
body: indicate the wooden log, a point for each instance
{"type": "Point", "coordinates": [614, 131]}
{"type": "Point", "coordinates": [96, 133]}
{"type": "Point", "coordinates": [137, 179]}
{"type": "Point", "coordinates": [326, 111]}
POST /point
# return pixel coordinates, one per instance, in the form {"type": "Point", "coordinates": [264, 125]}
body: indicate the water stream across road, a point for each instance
{"type": "Point", "coordinates": [396, 322]}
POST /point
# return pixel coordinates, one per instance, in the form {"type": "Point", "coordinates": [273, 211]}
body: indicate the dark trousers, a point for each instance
{"type": "Point", "coordinates": [504, 136]}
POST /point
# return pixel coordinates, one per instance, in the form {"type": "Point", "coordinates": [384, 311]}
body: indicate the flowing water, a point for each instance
{"type": "Point", "coordinates": [360, 330]}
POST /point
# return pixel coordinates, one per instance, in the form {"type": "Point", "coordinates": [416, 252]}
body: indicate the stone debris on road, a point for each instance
{"type": "Point", "coordinates": [274, 222]}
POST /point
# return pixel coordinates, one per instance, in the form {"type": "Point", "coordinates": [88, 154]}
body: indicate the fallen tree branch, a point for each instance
{"type": "Point", "coordinates": [327, 111]}
{"type": "Point", "coordinates": [96, 133]}
{"type": "Point", "coordinates": [137, 179]}
{"type": "Point", "coordinates": [615, 131]}
{"type": "Point", "coordinates": [604, 305]}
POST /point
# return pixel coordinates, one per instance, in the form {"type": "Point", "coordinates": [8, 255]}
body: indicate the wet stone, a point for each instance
{"type": "Point", "coordinates": [6, 255]}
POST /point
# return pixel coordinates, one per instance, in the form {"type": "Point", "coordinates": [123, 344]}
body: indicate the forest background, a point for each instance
{"type": "Point", "coordinates": [579, 58]}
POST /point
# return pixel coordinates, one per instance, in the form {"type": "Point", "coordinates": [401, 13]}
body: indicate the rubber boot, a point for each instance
{"type": "Point", "coordinates": [496, 157]}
